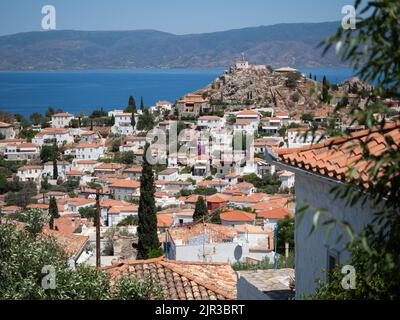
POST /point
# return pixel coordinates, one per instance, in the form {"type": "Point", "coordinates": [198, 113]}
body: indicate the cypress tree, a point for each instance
{"type": "Point", "coordinates": [200, 210]}
{"type": "Point", "coordinates": [53, 212]}
{"type": "Point", "coordinates": [55, 155]}
{"type": "Point", "coordinates": [141, 104]}
{"type": "Point", "coordinates": [148, 242]}
{"type": "Point", "coordinates": [131, 105]}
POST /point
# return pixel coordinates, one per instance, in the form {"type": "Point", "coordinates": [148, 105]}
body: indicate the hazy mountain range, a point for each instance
{"type": "Point", "coordinates": [277, 45]}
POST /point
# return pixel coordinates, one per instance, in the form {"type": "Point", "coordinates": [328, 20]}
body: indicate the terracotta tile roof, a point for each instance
{"type": "Point", "coordinates": [255, 197]}
{"type": "Point", "coordinates": [30, 167]}
{"type": "Point", "coordinates": [183, 280]}
{"type": "Point", "coordinates": [164, 220]}
{"type": "Point", "coordinates": [249, 228]}
{"type": "Point", "coordinates": [243, 185]}
{"type": "Point", "coordinates": [125, 184]}
{"type": "Point", "coordinates": [190, 199]}
{"type": "Point", "coordinates": [112, 202]}
{"type": "Point", "coordinates": [134, 169]}
{"type": "Point", "coordinates": [237, 216]}
{"type": "Point", "coordinates": [62, 114]}
{"type": "Point", "coordinates": [88, 145]}
{"type": "Point", "coordinates": [212, 183]}
{"type": "Point", "coordinates": [242, 122]}
{"type": "Point", "coordinates": [274, 214]}
{"type": "Point", "coordinates": [334, 158]}
{"type": "Point", "coordinates": [206, 118]}
{"type": "Point", "coordinates": [86, 161]}
{"type": "Point", "coordinates": [109, 166]}
{"type": "Point", "coordinates": [11, 208]}
{"type": "Point", "coordinates": [4, 124]}
{"type": "Point", "coordinates": [215, 233]}
{"type": "Point", "coordinates": [71, 243]}
{"type": "Point", "coordinates": [218, 198]}
{"type": "Point", "coordinates": [248, 113]}
{"type": "Point", "coordinates": [74, 173]}
{"type": "Point", "coordinates": [168, 171]}
{"type": "Point", "coordinates": [118, 210]}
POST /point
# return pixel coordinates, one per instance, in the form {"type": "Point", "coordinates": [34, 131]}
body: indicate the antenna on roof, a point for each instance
{"type": "Point", "coordinates": [243, 56]}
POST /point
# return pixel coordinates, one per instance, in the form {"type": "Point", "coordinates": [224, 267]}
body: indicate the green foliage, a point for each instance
{"type": "Point", "coordinates": [129, 221]}
{"type": "Point", "coordinates": [88, 212]}
{"type": "Point", "coordinates": [98, 113]}
{"type": "Point", "coordinates": [285, 233]}
{"type": "Point", "coordinates": [35, 220]}
{"type": "Point", "coordinates": [200, 210]}
{"type": "Point", "coordinates": [269, 184]}
{"type": "Point", "coordinates": [265, 264]}
{"type": "Point", "coordinates": [48, 153]}
{"type": "Point", "coordinates": [308, 117]}
{"type": "Point", "coordinates": [53, 212]}
{"type": "Point", "coordinates": [23, 257]}
{"type": "Point", "coordinates": [131, 105]}
{"type": "Point", "coordinates": [129, 289]}
{"type": "Point", "coordinates": [205, 191]}
{"type": "Point", "coordinates": [22, 197]}
{"type": "Point", "coordinates": [146, 121]}
{"type": "Point", "coordinates": [374, 51]}
{"type": "Point", "coordinates": [147, 227]}
{"type": "Point", "coordinates": [27, 134]}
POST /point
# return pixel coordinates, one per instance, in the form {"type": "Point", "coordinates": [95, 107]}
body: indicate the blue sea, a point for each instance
{"type": "Point", "coordinates": [83, 91]}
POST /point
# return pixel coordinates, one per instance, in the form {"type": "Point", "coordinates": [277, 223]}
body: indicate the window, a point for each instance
{"type": "Point", "coordinates": [332, 261]}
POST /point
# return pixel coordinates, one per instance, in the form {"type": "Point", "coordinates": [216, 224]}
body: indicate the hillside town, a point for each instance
{"type": "Point", "coordinates": [232, 162]}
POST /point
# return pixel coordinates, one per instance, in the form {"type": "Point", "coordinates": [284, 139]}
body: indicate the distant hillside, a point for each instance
{"type": "Point", "coordinates": [277, 45]}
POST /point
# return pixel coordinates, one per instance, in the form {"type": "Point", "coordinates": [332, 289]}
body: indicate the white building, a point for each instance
{"type": "Point", "coordinates": [299, 137]}
{"type": "Point", "coordinates": [125, 189]}
{"type": "Point", "coordinates": [62, 168]}
{"type": "Point", "coordinates": [30, 173]}
{"type": "Point", "coordinates": [23, 151]}
{"type": "Point", "coordinates": [61, 120]}
{"type": "Point", "coordinates": [7, 130]}
{"type": "Point", "coordinates": [210, 122]}
{"type": "Point", "coordinates": [318, 170]}
{"type": "Point", "coordinates": [123, 124]}
{"type": "Point", "coordinates": [89, 151]}
{"type": "Point", "coordinates": [287, 178]}
{"type": "Point", "coordinates": [169, 174]}
{"type": "Point", "coordinates": [49, 135]}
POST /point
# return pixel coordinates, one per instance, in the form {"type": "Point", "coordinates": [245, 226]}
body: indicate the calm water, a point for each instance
{"type": "Point", "coordinates": [76, 91]}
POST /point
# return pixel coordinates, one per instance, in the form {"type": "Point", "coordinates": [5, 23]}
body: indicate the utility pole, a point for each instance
{"type": "Point", "coordinates": [98, 257]}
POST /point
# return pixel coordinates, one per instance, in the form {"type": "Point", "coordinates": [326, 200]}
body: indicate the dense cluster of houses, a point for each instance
{"type": "Point", "coordinates": [207, 159]}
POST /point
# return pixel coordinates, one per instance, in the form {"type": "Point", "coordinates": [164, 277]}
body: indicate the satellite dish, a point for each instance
{"type": "Point", "coordinates": [238, 252]}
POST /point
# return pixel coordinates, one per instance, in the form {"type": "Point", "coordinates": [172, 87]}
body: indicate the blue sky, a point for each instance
{"type": "Point", "coordinates": [175, 16]}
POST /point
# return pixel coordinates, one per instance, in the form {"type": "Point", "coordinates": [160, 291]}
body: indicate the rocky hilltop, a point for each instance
{"type": "Point", "coordinates": [284, 89]}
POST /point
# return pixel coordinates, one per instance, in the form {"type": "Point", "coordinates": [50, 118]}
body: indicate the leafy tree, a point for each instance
{"type": "Point", "coordinates": [200, 210]}
{"type": "Point", "coordinates": [205, 191]}
{"type": "Point", "coordinates": [22, 120]}
{"type": "Point", "coordinates": [88, 212]}
{"type": "Point", "coordinates": [146, 121]}
{"type": "Point", "coordinates": [53, 212]}
{"type": "Point", "coordinates": [24, 255]}
{"type": "Point", "coordinates": [285, 233]}
{"type": "Point", "coordinates": [36, 118]}
{"type": "Point", "coordinates": [48, 153]}
{"type": "Point", "coordinates": [147, 227]}
{"type": "Point", "coordinates": [23, 196]}
{"type": "Point", "coordinates": [128, 221]}
{"type": "Point", "coordinates": [307, 117]}
{"type": "Point", "coordinates": [35, 220]}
